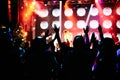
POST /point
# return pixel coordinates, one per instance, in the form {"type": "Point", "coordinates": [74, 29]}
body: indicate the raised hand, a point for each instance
{"type": "Point", "coordinates": [56, 29]}
{"type": "Point", "coordinates": [93, 38]}
{"type": "Point", "coordinates": [101, 33]}
{"type": "Point", "coordinates": [100, 28]}
{"type": "Point", "coordinates": [47, 33]}
{"type": "Point", "coordinates": [86, 30]}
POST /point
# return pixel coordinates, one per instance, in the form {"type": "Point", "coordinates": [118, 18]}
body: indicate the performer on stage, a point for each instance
{"type": "Point", "coordinates": [67, 37]}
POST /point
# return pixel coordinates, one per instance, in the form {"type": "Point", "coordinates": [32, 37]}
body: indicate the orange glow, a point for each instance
{"type": "Point", "coordinates": [9, 2]}
{"type": "Point", "coordinates": [29, 8]}
{"type": "Point", "coordinates": [99, 7]}
{"type": "Point", "coordinates": [66, 5]}
{"type": "Point", "coordinates": [9, 10]}
{"type": "Point", "coordinates": [23, 34]}
{"type": "Point", "coordinates": [74, 20]}
{"type": "Point", "coordinates": [96, 1]}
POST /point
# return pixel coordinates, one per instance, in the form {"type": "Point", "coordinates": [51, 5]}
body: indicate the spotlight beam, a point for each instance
{"type": "Point", "coordinates": [60, 17]}
{"type": "Point", "coordinates": [88, 17]}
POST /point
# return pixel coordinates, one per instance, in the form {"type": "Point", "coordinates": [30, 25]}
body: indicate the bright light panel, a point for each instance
{"type": "Point", "coordinates": [44, 25]}
{"type": "Point", "coordinates": [42, 13]}
{"type": "Point", "coordinates": [107, 35]}
{"type": "Point", "coordinates": [68, 12]}
{"type": "Point", "coordinates": [56, 12]}
{"type": "Point", "coordinates": [118, 24]}
{"type": "Point", "coordinates": [118, 36]}
{"type": "Point", "coordinates": [94, 24]}
{"type": "Point", "coordinates": [81, 24]}
{"type": "Point", "coordinates": [118, 10]}
{"type": "Point", "coordinates": [94, 11]}
{"type": "Point", "coordinates": [81, 12]}
{"type": "Point", "coordinates": [107, 24]}
{"type": "Point", "coordinates": [107, 11]}
{"type": "Point", "coordinates": [68, 24]}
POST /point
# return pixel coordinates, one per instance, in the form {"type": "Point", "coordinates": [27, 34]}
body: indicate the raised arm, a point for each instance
{"type": "Point", "coordinates": [101, 33]}
{"type": "Point", "coordinates": [86, 35]}
{"type": "Point", "coordinates": [51, 43]}
{"type": "Point", "coordinates": [57, 35]}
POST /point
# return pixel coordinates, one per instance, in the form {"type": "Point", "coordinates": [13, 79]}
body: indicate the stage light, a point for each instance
{"type": "Point", "coordinates": [107, 34]}
{"type": "Point", "coordinates": [68, 12]}
{"type": "Point", "coordinates": [57, 23]}
{"type": "Point", "coordinates": [81, 12]}
{"type": "Point", "coordinates": [35, 20]}
{"type": "Point", "coordinates": [107, 11]}
{"type": "Point", "coordinates": [56, 12]}
{"type": "Point", "coordinates": [118, 11]}
{"type": "Point", "coordinates": [107, 24]}
{"type": "Point", "coordinates": [94, 11]}
{"type": "Point", "coordinates": [68, 24]}
{"type": "Point", "coordinates": [42, 13]}
{"type": "Point", "coordinates": [45, 2]}
{"type": "Point", "coordinates": [33, 28]}
{"type": "Point", "coordinates": [44, 25]}
{"type": "Point", "coordinates": [96, 1]}
{"type": "Point", "coordinates": [118, 24]}
{"type": "Point", "coordinates": [81, 24]}
{"type": "Point", "coordinates": [94, 24]}
{"type": "Point", "coordinates": [118, 36]}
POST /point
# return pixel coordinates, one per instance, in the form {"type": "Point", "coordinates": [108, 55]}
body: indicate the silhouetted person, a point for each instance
{"type": "Point", "coordinates": [40, 60]}
{"type": "Point", "coordinates": [106, 62]}
{"type": "Point", "coordinates": [9, 58]}
{"type": "Point", "coordinates": [77, 65]}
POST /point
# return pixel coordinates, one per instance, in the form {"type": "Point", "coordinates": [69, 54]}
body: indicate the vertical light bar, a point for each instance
{"type": "Point", "coordinates": [88, 17]}
{"type": "Point", "coordinates": [9, 10]}
{"type": "Point", "coordinates": [60, 17]}
{"type": "Point", "coordinates": [33, 32]}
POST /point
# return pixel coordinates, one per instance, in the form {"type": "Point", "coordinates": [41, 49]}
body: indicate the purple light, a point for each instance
{"type": "Point", "coordinates": [100, 1]}
{"type": "Point", "coordinates": [54, 1]}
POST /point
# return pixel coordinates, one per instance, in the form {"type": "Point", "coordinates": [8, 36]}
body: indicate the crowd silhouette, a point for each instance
{"type": "Point", "coordinates": [88, 59]}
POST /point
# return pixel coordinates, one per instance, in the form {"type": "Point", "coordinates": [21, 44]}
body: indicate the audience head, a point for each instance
{"type": "Point", "coordinates": [108, 47]}
{"type": "Point", "coordinates": [78, 41]}
{"type": "Point", "coordinates": [108, 42]}
{"type": "Point", "coordinates": [38, 43]}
